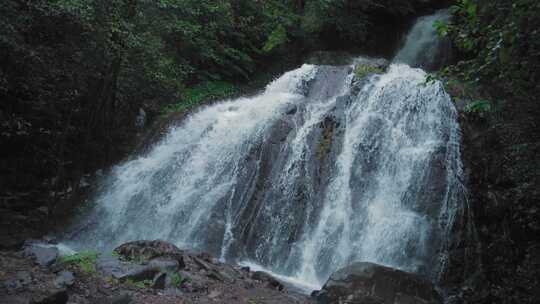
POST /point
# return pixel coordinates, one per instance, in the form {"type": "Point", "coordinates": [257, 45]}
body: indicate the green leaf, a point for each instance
{"type": "Point", "coordinates": [277, 38]}
{"type": "Point", "coordinates": [441, 27]}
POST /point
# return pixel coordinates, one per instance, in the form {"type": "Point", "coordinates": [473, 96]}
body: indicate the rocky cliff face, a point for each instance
{"type": "Point", "coordinates": [496, 251]}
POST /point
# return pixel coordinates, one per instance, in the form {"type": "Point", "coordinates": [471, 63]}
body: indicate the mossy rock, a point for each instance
{"type": "Point", "coordinates": [366, 66]}
{"type": "Point", "coordinates": [324, 146]}
{"type": "Point", "coordinates": [363, 70]}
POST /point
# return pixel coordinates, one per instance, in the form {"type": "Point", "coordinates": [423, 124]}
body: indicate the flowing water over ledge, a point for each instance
{"type": "Point", "coordinates": [320, 170]}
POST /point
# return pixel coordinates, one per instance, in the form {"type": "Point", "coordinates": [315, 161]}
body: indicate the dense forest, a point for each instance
{"type": "Point", "coordinates": [81, 81]}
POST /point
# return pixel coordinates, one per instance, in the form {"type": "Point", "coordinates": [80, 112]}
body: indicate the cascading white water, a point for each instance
{"type": "Point", "coordinates": [396, 131]}
{"type": "Point", "coordinates": [170, 191]}
{"type": "Point", "coordinates": [320, 170]}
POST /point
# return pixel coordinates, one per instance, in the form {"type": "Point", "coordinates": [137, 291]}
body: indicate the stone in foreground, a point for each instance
{"type": "Point", "coordinates": [368, 283]}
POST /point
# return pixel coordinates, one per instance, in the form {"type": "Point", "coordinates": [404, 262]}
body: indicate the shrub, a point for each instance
{"type": "Point", "coordinates": [84, 260]}
{"type": "Point", "coordinates": [211, 90]}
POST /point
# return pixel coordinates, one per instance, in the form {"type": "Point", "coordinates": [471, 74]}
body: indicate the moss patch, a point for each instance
{"type": "Point", "coordinates": [325, 143]}
{"type": "Point", "coordinates": [212, 90]}
{"type": "Point", "coordinates": [362, 70]}
{"type": "Point", "coordinates": [84, 260]}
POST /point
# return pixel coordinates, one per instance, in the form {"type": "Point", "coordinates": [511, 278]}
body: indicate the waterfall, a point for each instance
{"type": "Point", "coordinates": [422, 46]}
{"type": "Point", "coordinates": [319, 170]}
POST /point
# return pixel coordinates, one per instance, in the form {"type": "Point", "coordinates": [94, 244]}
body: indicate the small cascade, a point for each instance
{"type": "Point", "coordinates": [321, 169]}
{"type": "Point", "coordinates": [422, 47]}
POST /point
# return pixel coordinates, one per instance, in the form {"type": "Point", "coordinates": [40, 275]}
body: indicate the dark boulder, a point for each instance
{"type": "Point", "coordinates": [112, 266]}
{"type": "Point", "coordinates": [270, 281]}
{"type": "Point", "coordinates": [159, 281]}
{"type": "Point", "coordinates": [14, 299]}
{"type": "Point", "coordinates": [148, 250]}
{"type": "Point", "coordinates": [125, 270]}
{"type": "Point", "coordinates": [41, 253]}
{"type": "Point", "coordinates": [369, 283]}
{"type": "Point", "coordinates": [64, 279]}
{"type": "Point", "coordinates": [120, 298]}
{"type": "Point", "coordinates": [55, 296]}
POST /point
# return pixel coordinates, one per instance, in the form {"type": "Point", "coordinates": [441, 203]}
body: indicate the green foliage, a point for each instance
{"type": "Point", "coordinates": [277, 38]}
{"type": "Point", "coordinates": [362, 70]}
{"type": "Point", "coordinates": [84, 260]}
{"type": "Point", "coordinates": [467, 9]}
{"type": "Point", "coordinates": [478, 107]}
{"type": "Point", "coordinates": [499, 43]}
{"type": "Point", "coordinates": [75, 258]}
{"type": "Point", "coordinates": [176, 280]}
{"type": "Point", "coordinates": [439, 75]}
{"type": "Point", "coordinates": [139, 284]}
{"type": "Point", "coordinates": [211, 90]}
{"type": "Point", "coordinates": [430, 79]}
{"type": "Point", "coordinates": [441, 27]}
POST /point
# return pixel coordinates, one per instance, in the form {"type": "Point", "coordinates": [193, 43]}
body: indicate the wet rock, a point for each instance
{"type": "Point", "coordinates": [147, 250]}
{"type": "Point", "coordinates": [14, 299]}
{"type": "Point", "coordinates": [53, 296]}
{"type": "Point", "coordinates": [205, 256]}
{"type": "Point", "coordinates": [172, 292]}
{"type": "Point", "coordinates": [140, 120]}
{"type": "Point", "coordinates": [134, 270]}
{"type": "Point", "coordinates": [379, 63]}
{"type": "Point", "coordinates": [268, 279]}
{"type": "Point", "coordinates": [214, 294]}
{"type": "Point", "coordinates": [78, 299]}
{"type": "Point", "coordinates": [221, 276]}
{"type": "Point", "coordinates": [368, 283]}
{"type": "Point", "coordinates": [19, 281]}
{"type": "Point", "coordinates": [64, 278]}
{"type": "Point", "coordinates": [111, 266]}
{"type": "Point", "coordinates": [41, 253]}
{"type": "Point", "coordinates": [159, 281]}
{"type": "Point", "coordinates": [245, 269]}
{"type": "Point", "coordinates": [146, 260]}
{"type": "Point", "coordinates": [121, 298]}
{"type": "Point", "coordinates": [367, 66]}
{"type": "Point", "coordinates": [291, 110]}
{"type": "Point", "coordinates": [230, 272]}
{"type": "Point", "coordinates": [202, 264]}
{"type": "Point", "coordinates": [164, 265]}
{"type": "Point", "coordinates": [150, 270]}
